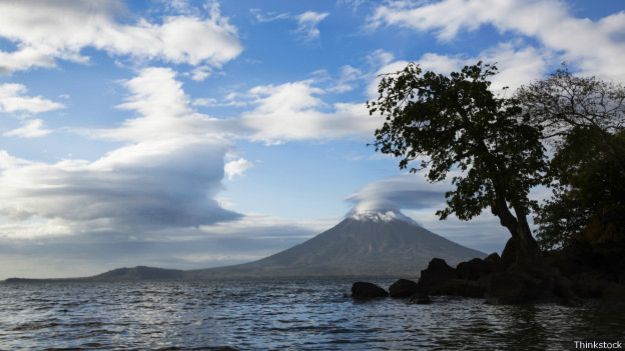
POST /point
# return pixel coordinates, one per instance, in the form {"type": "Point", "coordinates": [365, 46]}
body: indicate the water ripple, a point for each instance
{"type": "Point", "coordinates": [279, 315]}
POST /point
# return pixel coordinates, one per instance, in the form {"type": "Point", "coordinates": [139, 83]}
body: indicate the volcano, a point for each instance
{"type": "Point", "coordinates": [380, 243]}
{"type": "Point", "coordinates": [366, 244]}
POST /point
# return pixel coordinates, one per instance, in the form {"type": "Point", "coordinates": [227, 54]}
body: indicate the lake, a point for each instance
{"type": "Point", "coordinates": [282, 315]}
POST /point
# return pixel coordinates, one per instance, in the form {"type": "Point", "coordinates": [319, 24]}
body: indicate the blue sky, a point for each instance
{"type": "Point", "coordinates": [199, 133]}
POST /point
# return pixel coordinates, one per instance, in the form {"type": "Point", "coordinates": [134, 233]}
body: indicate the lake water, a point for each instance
{"type": "Point", "coordinates": [281, 315]}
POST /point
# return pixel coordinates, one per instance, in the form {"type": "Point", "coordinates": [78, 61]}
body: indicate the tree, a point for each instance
{"type": "Point", "coordinates": [456, 124]}
{"type": "Point", "coordinates": [589, 194]}
{"type": "Point", "coordinates": [584, 122]}
{"type": "Point", "coordinates": [564, 104]}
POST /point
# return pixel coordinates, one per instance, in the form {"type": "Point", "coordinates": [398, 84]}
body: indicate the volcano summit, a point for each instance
{"type": "Point", "coordinates": [369, 243]}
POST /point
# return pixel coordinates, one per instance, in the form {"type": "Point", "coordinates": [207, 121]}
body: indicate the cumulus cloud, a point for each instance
{"type": "Point", "coordinates": [307, 23]}
{"type": "Point", "coordinates": [236, 168]}
{"type": "Point", "coordinates": [294, 111]}
{"type": "Point", "coordinates": [33, 128]}
{"type": "Point", "coordinates": [63, 28]}
{"type": "Point", "coordinates": [597, 45]}
{"type": "Point", "coordinates": [517, 65]}
{"type": "Point", "coordinates": [277, 113]}
{"type": "Point", "coordinates": [13, 98]}
{"type": "Point", "coordinates": [164, 111]}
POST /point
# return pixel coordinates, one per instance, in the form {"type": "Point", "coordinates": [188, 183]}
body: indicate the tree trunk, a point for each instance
{"type": "Point", "coordinates": [521, 248]}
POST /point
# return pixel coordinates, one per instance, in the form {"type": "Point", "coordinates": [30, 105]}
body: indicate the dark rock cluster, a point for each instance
{"type": "Point", "coordinates": [547, 280]}
{"type": "Point", "coordinates": [364, 290]}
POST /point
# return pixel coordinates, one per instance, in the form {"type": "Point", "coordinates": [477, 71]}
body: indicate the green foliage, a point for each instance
{"type": "Point", "coordinates": [583, 120]}
{"type": "Point", "coordinates": [589, 197]}
{"type": "Point", "coordinates": [454, 125]}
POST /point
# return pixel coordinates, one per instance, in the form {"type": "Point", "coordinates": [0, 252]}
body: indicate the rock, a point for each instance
{"type": "Point", "coordinates": [621, 278]}
{"type": "Point", "coordinates": [508, 288]}
{"type": "Point", "coordinates": [564, 290]}
{"type": "Point", "coordinates": [365, 290]}
{"type": "Point", "coordinates": [436, 274]}
{"type": "Point", "coordinates": [540, 282]}
{"type": "Point", "coordinates": [614, 293]}
{"type": "Point", "coordinates": [589, 286]}
{"type": "Point", "coordinates": [494, 262]}
{"type": "Point", "coordinates": [403, 288]}
{"type": "Point", "coordinates": [493, 258]}
{"type": "Point", "coordinates": [461, 287]}
{"type": "Point", "coordinates": [473, 269]}
{"type": "Point", "coordinates": [420, 299]}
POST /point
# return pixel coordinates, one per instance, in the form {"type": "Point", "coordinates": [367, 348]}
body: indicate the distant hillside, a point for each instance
{"type": "Point", "coordinates": [139, 273]}
{"type": "Point", "coordinates": [119, 274]}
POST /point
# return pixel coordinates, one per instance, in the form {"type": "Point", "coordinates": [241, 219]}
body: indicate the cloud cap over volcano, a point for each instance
{"type": "Point", "coordinates": [402, 192]}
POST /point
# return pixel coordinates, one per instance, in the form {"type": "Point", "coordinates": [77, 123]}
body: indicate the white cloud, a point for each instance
{"type": "Point", "coordinates": [388, 68]}
{"type": "Point", "coordinates": [168, 175]}
{"type": "Point", "coordinates": [261, 17]}
{"type": "Point", "coordinates": [236, 168]}
{"type": "Point", "coordinates": [33, 128]}
{"type": "Point", "coordinates": [46, 31]}
{"type": "Point", "coordinates": [141, 186]}
{"type": "Point", "coordinates": [198, 74]}
{"type": "Point", "coordinates": [596, 46]}
{"type": "Point", "coordinates": [517, 66]}
{"type": "Point", "coordinates": [307, 23]}
{"type": "Point", "coordinates": [410, 191]}
{"type": "Point", "coordinates": [419, 199]}
{"type": "Point", "coordinates": [164, 111]}
{"type": "Point", "coordinates": [13, 99]}
{"type": "Point", "coordinates": [294, 111]}
{"type": "Point", "coordinates": [345, 83]}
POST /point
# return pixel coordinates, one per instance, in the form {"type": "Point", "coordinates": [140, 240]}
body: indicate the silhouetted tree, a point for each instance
{"type": "Point", "coordinates": [583, 120]}
{"type": "Point", "coordinates": [454, 125]}
{"type": "Point", "coordinates": [589, 193]}
{"type": "Point", "coordinates": [564, 101]}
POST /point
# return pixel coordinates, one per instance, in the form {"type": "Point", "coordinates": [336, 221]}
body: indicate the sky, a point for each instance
{"type": "Point", "coordinates": [192, 134]}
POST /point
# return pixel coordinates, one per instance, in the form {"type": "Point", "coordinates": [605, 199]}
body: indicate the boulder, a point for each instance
{"type": "Point", "coordinates": [365, 290]}
{"type": "Point", "coordinates": [541, 281]}
{"type": "Point", "coordinates": [436, 274]}
{"type": "Point", "coordinates": [403, 288]}
{"type": "Point", "coordinates": [493, 258]}
{"type": "Point", "coordinates": [564, 291]}
{"type": "Point", "coordinates": [614, 293]}
{"type": "Point", "coordinates": [508, 288]}
{"type": "Point", "coordinates": [473, 269]}
{"type": "Point", "coordinates": [462, 288]}
{"type": "Point", "coordinates": [589, 285]}
{"type": "Point", "coordinates": [494, 262]}
{"type": "Point", "coordinates": [621, 278]}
